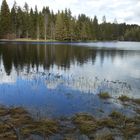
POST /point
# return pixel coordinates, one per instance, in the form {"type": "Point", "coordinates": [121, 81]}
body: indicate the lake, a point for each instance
{"type": "Point", "coordinates": [61, 79]}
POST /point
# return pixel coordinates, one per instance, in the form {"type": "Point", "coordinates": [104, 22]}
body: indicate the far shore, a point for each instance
{"type": "Point", "coordinates": [50, 40]}
{"type": "Point", "coordinates": [25, 40]}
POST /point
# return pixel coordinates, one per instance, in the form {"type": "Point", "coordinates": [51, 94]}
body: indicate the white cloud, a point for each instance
{"type": "Point", "coordinates": [124, 10]}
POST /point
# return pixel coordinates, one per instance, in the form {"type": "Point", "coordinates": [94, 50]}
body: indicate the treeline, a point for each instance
{"type": "Point", "coordinates": [30, 23]}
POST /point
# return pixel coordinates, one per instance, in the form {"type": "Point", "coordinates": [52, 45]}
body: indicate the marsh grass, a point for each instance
{"type": "Point", "coordinates": [124, 98]}
{"type": "Point", "coordinates": [16, 123]}
{"type": "Point", "coordinates": [89, 125]}
{"type": "Point", "coordinates": [19, 119]}
{"type": "Point", "coordinates": [44, 128]}
{"type": "Point", "coordinates": [86, 123]}
{"type": "Point", "coordinates": [104, 95]}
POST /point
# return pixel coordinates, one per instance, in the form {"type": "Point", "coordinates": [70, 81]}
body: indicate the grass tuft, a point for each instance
{"type": "Point", "coordinates": [124, 98]}
{"type": "Point", "coordinates": [104, 95]}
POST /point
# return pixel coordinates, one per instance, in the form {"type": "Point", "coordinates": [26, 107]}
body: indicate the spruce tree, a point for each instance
{"type": "Point", "coordinates": [14, 19]}
{"type": "Point", "coordinates": [5, 20]}
{"type": "Point", "coordinates": [95, 28]}
{"type": "Point", "coordinates": [59, 27]}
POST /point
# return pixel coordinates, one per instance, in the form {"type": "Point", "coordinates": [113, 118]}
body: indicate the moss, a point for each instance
{"type": "Point", "coordinates": [104, 95]}
{"type": "Point", "coordinates": [124, 98]}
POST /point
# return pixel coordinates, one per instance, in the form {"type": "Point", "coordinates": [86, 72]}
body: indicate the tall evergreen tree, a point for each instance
{"type": "Point", "coordinates": [5, 20]}
{"type": "Point", "coordinates": [14, 20]}
{"type": "Point", "coordinates": [20, 23]}
{"type": "Point", "coordinates": [59, 26]}
{"type": "Point", "coordinates": [95, 28]}
{"type": "Point", "coordinates": [26, 20]}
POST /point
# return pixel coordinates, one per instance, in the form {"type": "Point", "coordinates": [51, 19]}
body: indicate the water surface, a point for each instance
{"type": "Point", "coordinates": [63, 79]}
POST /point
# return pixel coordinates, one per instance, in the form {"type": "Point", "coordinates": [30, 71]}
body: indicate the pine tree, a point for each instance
{"type": "Point", "coordinates": [31, 25]}
{"type": "Point", "coordinates": [5, 20]}
{"type": "Point", "coordinates": [14, 20]}
{"type": "Point", "coordinates": [59, 27]}
{"type": "Point", "coordinates": [95, 28]}
{"type": "Point", "coordinates": [26, 20]}
{"type": "Point", "coordinates": [20, 23]}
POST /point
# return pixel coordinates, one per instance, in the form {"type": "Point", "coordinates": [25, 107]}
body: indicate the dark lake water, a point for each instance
{"type": "Point", "coordinates": [63, 79]}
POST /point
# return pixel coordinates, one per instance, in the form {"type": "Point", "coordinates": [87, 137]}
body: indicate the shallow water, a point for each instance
{"type": "Point", "coordinates": [63, 79]}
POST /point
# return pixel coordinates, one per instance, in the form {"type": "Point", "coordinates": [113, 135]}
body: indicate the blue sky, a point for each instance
{"type": "Point", "coordinates": [123, 10]}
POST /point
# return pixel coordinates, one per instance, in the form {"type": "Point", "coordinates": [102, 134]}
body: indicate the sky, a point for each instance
{"type": "Point", "coordinates": [123, 10]}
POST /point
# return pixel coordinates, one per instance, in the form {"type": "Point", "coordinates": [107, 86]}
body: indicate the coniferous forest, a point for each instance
{"type": "Point", "coordinates": [25, 22]}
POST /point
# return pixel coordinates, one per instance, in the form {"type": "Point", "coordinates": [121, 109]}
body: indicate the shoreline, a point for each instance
{"type": "Point", "coordinates": [59, 41]}
{"type": "Point", "coordinates": [55, 41]}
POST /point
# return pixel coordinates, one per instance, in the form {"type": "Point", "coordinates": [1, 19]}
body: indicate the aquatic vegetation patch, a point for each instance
{"type": "Point", "coordinates": [16, 123]}
{"type": "Point", "coordinates": [89, 125]}
{"type": "Point", "coordinates": [86, 123]}
{"type": "Point", "coordinates": [124, 98]}
{"type": "Point", "coordinates": [43, 127]}
{"type": "Point", "coordinates": [104, 95]}
{"type": "Point", "coordinates": [131, 127]}
{"type": "Point", "coordinates": [106, 122]}
{"type": "Point", "coordinates": [116, 115]}
{"type": "Point", "coordinates": [128, 126]}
